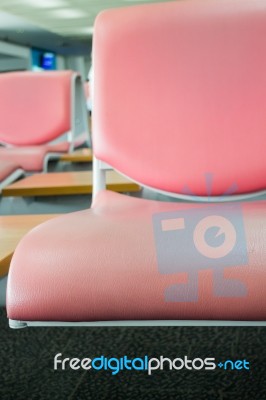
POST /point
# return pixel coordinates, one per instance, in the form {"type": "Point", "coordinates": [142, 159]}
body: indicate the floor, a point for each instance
{"type": "Point", "coordinates": [48, 205]}
{"type": "Point", "coordinates": [61, 204]}
{"type": "Point", "coordinates": [26, 363]}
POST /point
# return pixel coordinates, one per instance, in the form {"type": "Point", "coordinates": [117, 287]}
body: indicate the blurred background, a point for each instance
{"type": "Point", "coordinates": [50, 34]}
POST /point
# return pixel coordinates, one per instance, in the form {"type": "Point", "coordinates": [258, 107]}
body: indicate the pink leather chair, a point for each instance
{"type": "Point", "coordinates": [9, 172]}
{"type": "Point", "coordinates": [37, 108]}
{"type": "Point", "coordinates": [136, 261]}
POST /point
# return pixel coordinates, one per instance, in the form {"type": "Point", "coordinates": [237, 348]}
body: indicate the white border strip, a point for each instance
{"type": "Point", "coordinates": [23, 324]}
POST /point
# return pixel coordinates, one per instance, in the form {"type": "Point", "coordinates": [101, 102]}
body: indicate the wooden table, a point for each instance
{"type": "Point", "coordinates": [78, 156]}
{"type": "Point", "coordinates": [12, 229]}
{"type": "Point", "coordinates": [66, 183]}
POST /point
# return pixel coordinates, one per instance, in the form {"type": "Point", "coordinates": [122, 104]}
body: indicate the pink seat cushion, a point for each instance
{"type": "Point", "coordinates": [31, 158]}
{"type": "Point", "coordinates": [7, 168]}
{"type": "Point", "coordinates": [103, 264]}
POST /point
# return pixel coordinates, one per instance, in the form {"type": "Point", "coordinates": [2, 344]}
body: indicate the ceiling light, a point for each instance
{"type": "Point", "coordinates": [88, 30]}
{"type": "Point", "coordinates": [45, 3]}
{"type": "Point", "coordinates": [75, 31]}
{"type": "Point", "coordinates": [69, 13]}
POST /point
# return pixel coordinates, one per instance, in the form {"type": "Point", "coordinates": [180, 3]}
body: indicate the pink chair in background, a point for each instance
{"type": "Point", "coordinates": [135, 261]}
{"type": "Point", "coordinates": [37, 110]}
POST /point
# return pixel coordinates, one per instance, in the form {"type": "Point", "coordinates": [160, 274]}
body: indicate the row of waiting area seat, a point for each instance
{"type": "Point", "coordinates": [43, 117]}
{"type": "Point", "coordinates": [131, 260]}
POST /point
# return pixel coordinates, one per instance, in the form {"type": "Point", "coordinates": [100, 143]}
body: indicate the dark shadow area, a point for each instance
{"type": "Point", "coordinates": [27, 358]}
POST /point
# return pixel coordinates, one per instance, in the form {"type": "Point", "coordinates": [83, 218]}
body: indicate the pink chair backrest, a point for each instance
{"type": "Point", "coordinates": [180, 94]}
{"type": "Point", "coordinates": [34, 106]}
